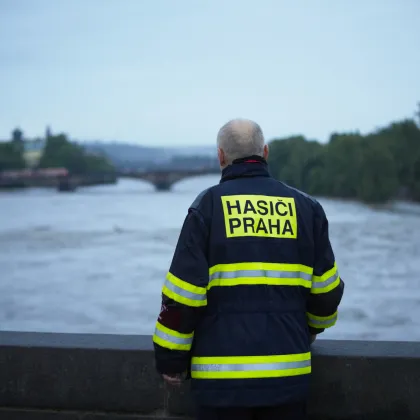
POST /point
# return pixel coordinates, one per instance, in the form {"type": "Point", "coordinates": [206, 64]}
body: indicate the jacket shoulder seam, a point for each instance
{"type": "Point", "coordinates": [196, 203]}
{"type": "Point", "coordinates": [302, 193]}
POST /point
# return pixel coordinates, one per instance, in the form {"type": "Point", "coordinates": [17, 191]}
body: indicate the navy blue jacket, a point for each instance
{"type": "Point", "coordinates": [252, 277]}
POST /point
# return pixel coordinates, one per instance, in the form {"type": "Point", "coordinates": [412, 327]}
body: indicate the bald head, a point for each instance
{"type": "Point", "coordinates": [240, 138]}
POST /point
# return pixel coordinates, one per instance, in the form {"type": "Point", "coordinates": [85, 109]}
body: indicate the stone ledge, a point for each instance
{"type": "Point", "coordinates": [87, 375]}
{"type": "Point", "coordinates": [28, 414]}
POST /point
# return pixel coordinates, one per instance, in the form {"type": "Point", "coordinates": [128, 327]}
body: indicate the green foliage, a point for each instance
{"type": "Point", "coordinates": [11, 156]}
{"type": "Point", "coordinates": [415, 189]}
{"type": "Point", "coordinates": [372, 168]}
{"type": "Point", "coordinates": [296, 152]}
{"type": "Point", "coordinates": [377, 180]}
{"type": "Point", "coordinates": [59, 152]}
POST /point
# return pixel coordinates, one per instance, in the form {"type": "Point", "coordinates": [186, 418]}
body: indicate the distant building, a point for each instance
{"type": "Point", "coordinates": [17, 135]}
{"type": "Point", "coordinates": [48, 132]}
{"type": "Point", "coordinates": [33, 151]}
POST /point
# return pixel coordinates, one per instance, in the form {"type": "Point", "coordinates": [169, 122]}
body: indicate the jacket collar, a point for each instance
{"type": "Point", "coordinates": [250, 166]}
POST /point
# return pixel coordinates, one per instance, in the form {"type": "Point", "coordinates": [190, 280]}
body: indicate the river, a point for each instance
{"type": "Point", "coordinates": [94, 261]}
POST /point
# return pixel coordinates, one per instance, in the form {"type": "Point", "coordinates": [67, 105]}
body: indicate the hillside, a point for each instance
{"type": "Point", "coordinates": [136, 156]}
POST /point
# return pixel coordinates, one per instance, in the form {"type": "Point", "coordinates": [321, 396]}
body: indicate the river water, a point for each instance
{"type": "Point", "coordinates": [95, 260]}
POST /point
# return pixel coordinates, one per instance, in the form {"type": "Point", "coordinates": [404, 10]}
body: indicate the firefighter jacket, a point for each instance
{"type": "Point", "coordinates": [252, 277]}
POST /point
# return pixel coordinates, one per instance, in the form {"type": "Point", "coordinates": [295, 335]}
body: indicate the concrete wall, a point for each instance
{"type": "Point", "coordinates": [93, 377]}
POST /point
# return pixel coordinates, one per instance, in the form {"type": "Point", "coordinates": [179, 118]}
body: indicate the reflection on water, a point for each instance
{"type": "Point", "coordinates": [95, 260]}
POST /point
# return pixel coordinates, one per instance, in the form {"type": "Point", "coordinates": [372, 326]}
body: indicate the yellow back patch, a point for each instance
{"type": "Point", "coordinates": [260, 215]}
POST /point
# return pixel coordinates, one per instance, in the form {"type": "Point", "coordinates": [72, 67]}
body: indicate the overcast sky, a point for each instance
{"type": "Point", "coordinates": [171, 72]}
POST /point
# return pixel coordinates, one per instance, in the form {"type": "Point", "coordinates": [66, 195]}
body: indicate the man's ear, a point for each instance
{"type": "Point", "coordinates": [266, 151]}
{"type": "Point", "coordinates": [221, 156]}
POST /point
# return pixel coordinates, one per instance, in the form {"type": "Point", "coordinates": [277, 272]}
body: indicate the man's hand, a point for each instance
{"type": "Point", "coordinates": [175, 380]}
{"type": "Point", "coordinates": [313, 338]}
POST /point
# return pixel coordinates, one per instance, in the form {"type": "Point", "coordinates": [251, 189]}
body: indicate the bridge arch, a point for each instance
{"type": "Point", "coordinates": [163, 180]}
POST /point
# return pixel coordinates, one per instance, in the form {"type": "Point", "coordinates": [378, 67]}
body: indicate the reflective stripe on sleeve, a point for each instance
{"type": "Point", "coordinates": [247, 367]}
{"type": "Point", "coordinates": [259, 273]}
{"type": "Point", "coordinates": [328, 281]}
{"type": "Point", "coordinates": [183, 292]}
{"type": "Point", "coordinates": [172, 339]}
{"type": "Point", "coordinates": [315, 321]}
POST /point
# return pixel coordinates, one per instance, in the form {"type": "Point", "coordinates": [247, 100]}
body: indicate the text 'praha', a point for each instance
{"type": "Point", "coordinates": [260, 215]}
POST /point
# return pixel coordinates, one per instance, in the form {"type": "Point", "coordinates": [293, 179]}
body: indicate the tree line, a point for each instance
{"type": "Point", "coordinates": [373, 168]}
{"type": "Point", "coordinates": [58, 152]}
{"type": "Point", "coordinates": [11, 156]}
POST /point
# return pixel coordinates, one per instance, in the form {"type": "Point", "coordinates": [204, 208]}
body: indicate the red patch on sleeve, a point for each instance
{"type": "Point", "coordinates": [163, 309]}
{"type": "Point", "coordinates": [170, 317]}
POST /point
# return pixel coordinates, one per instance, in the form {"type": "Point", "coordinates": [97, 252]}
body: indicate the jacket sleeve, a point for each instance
{"type": "Point", "coordinates": [327, 286]}
{"type": "Point", "coordinates": [184, 297]}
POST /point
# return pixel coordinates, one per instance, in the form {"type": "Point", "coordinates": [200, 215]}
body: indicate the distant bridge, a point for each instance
{"type": "Point", "coordinates": [60, 178]}
{"type": "Point", "coordinates": [163, 180]}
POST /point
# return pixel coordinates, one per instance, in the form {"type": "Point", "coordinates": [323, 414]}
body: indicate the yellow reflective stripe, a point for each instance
{"type": "Point", "coordinates": [321, 321]}
{"type": "Point", "coordinates": [245, 367]}
{"type": "Point", "coordinates": [328, 281]}
{"type": "Point", "coordinates": [257, 273]}
{"type": "Point", "coordinates": [261, 266]}
{"type": "Point", "coordinates": [172, 339]}
{"type": "Point", "coordinates": [183, 292]}
{"type": "Point", "coordinates": [251, 359]}
{"type": "Point", "coordinates": [174, 333]}
{"type": "Point", "coordinates": [185, 286]}
{"type": "Point", "coordinates": [255, 374]}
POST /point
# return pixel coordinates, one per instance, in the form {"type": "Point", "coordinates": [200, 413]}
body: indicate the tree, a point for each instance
{"type": "Point", "coordinates": [343, 158]}
{"type": "Point", "coordinates": [378, 179]}
{"type": "Point", "coordinates": [372, 168]}
{"type": "Point", "coordinates": [11, 157]}
{"type": "Point", "coordinates": [60, 152]}
{"type": "Point", "coordinates": [416, 183]}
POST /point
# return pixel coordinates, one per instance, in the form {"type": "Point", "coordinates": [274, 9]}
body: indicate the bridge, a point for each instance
{"type": "Point", "coordinates": [164, 179]}
{"type": "Point", "coordinates": [109, 377]}
{"type": "Point", "coordinates": [61, 179]}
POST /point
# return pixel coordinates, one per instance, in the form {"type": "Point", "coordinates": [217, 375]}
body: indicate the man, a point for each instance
{"type": "Point", "coordinates": [253, 280]}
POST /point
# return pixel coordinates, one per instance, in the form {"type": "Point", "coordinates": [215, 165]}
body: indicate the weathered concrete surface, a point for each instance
{"type": "Point", "coordinates": [113, 378]}
{"type": "Point", "coordinates": [79, 372]}
{"type": "Point", "coordinates": [16, 414]}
